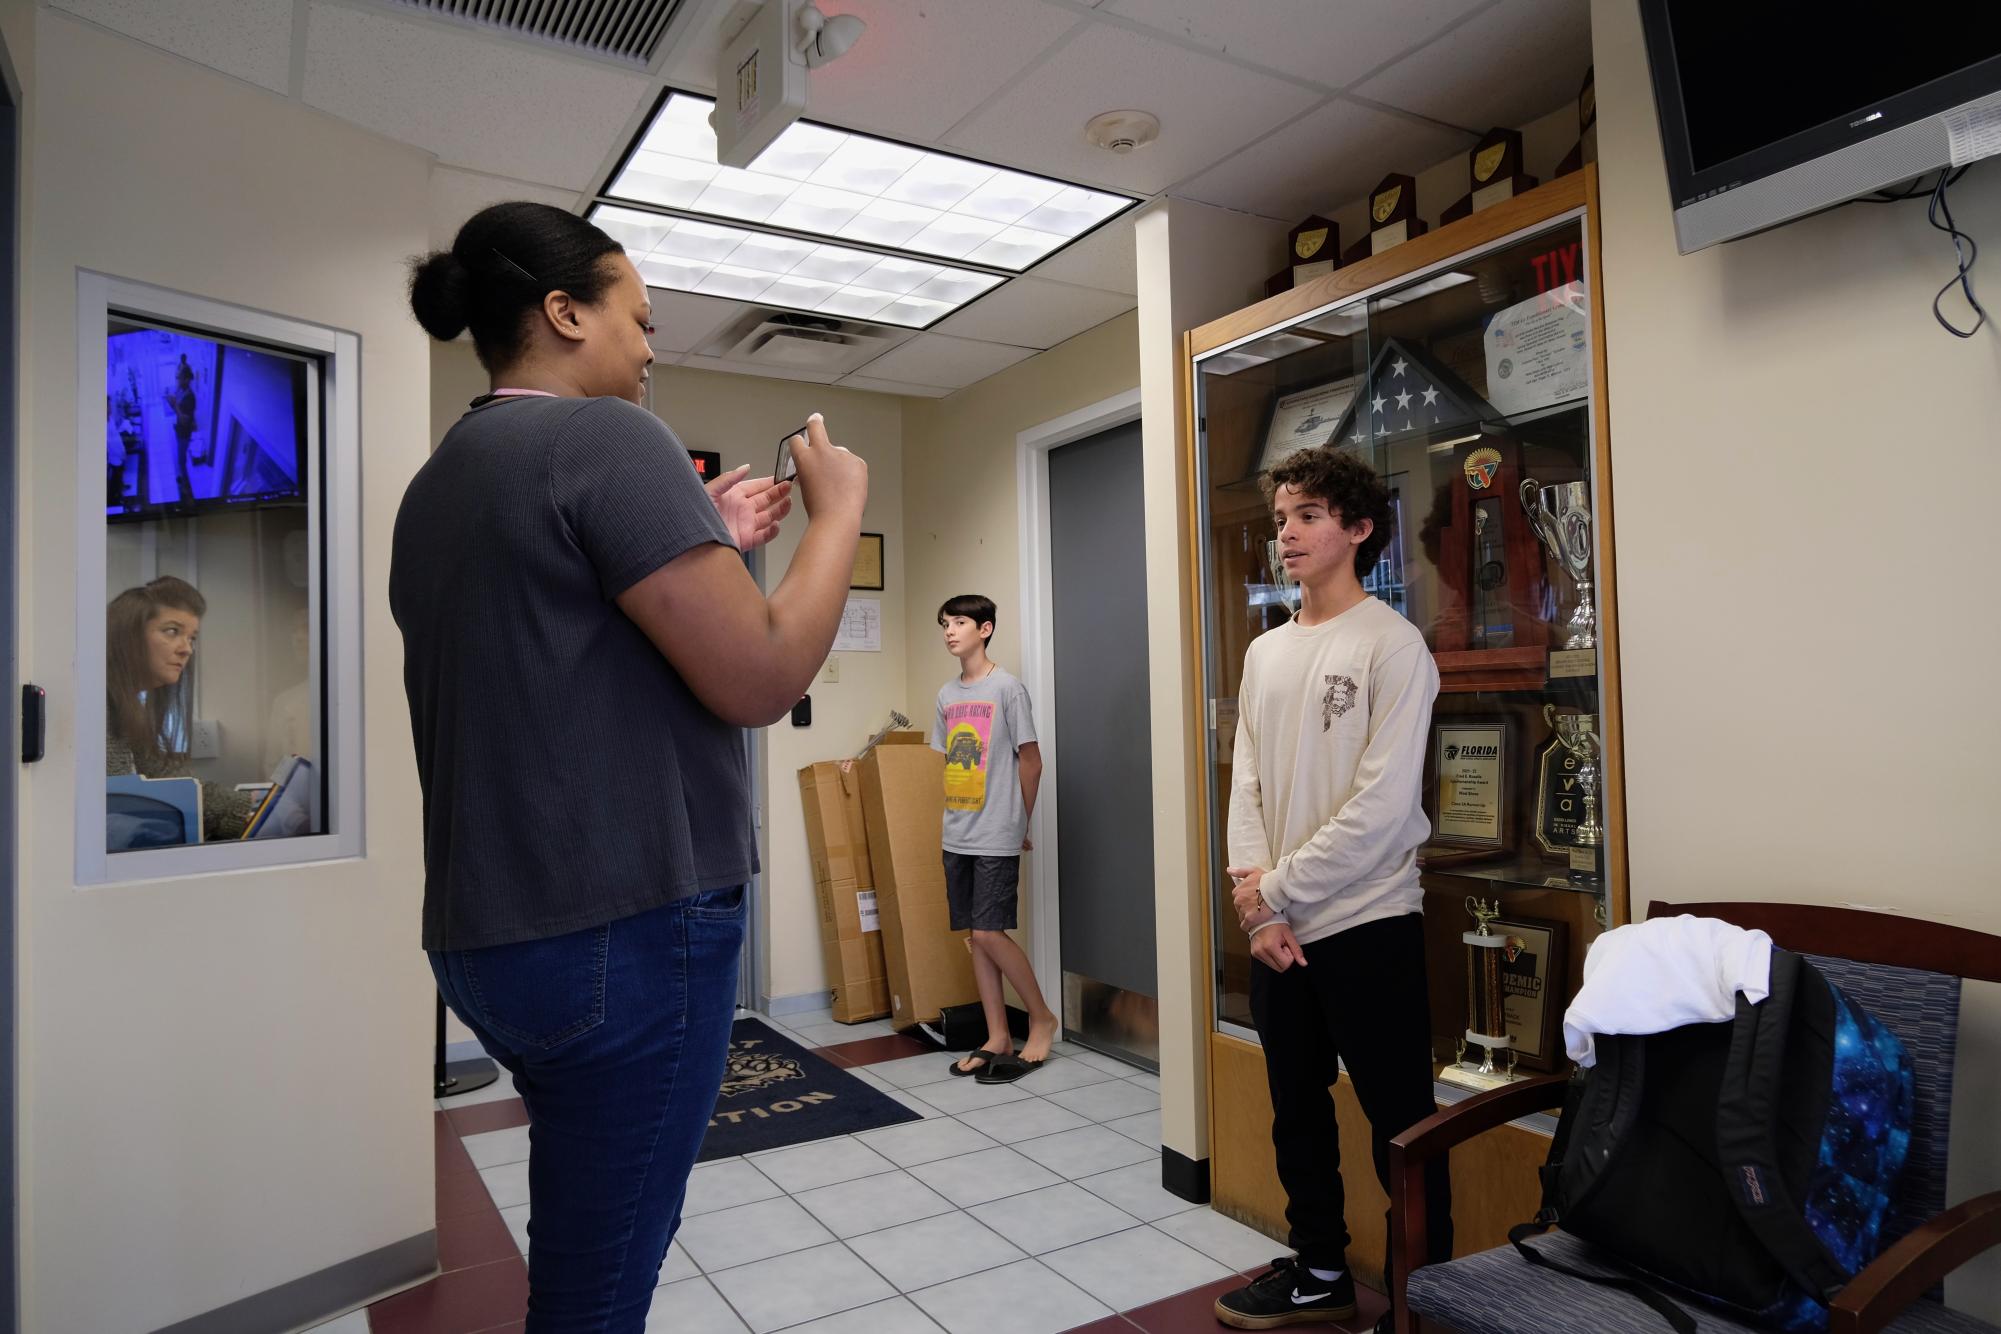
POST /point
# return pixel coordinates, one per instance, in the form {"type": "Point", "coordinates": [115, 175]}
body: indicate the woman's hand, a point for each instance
{"type": "Point", "coordinates": [751, 510]}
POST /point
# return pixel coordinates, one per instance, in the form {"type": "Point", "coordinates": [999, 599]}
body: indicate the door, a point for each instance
{"type": "Point", "coordinates": [10, 680]}
{"type": "Point", "coordinates": [1104, 799]}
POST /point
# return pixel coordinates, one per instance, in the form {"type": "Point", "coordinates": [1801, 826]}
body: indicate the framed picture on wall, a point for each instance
{"type": "Point", "coordinates": [868, 564]}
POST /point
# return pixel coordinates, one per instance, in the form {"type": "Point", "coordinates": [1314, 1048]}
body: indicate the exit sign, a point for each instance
{"type": "Point", "coordinates": [708, 463]}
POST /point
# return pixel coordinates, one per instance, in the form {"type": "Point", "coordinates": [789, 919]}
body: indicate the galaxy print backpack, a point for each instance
{"type": "Point", "coordinates": [1747, 1165]}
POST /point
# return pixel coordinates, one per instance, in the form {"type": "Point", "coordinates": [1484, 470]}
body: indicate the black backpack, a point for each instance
{"type": "Point", "coordinates": [1748, 1164]}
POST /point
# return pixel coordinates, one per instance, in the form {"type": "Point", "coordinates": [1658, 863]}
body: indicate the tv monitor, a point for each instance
{"type": "Point", "coordinates": [194, 424]}
{"type": "Point", "coordinates": [1772, 112]}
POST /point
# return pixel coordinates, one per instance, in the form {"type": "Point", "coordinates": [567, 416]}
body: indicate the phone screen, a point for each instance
{"type": "Point", "coordinates": [786, 468]}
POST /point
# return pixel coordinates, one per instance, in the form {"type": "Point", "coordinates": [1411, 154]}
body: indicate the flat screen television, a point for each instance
{"type": "Point", "coordinates": [194, 424]}
{"type": "Point", "coordinates": [1772, 112]}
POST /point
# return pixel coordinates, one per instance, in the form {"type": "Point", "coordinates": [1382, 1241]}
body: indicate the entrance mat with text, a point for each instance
{"type": "Point", "coordinates": [777, 1093]}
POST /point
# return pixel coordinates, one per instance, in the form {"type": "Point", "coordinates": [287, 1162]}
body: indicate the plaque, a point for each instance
{"type": "Point", "coordinates": [1313, 249]}
{"type": "Point", "coordinates": [1535, 965]}
{"type": "Point", "coordinates": [1538, 351]}
{"type": "Point", "coordinates": [868, 563]}
{"type": "Point", "coordinates": [1490, 566]}
{"type": "Point", "coordinates": [1392, 218]}
{"type": "Point", "coordinates": [1470, 784]}
{"type": "Point", "coordinates": [1586, 148]}
{"type": "Point", "coordinates": [1304, 418]}
{"type": "Point", "coordinates": [1567, 794]}
{"type": "Point", "coordinates": [1496, 163]}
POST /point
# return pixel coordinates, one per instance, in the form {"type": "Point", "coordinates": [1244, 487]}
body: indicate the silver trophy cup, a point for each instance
{"type": "Point", "coordinates": [1561, 515]}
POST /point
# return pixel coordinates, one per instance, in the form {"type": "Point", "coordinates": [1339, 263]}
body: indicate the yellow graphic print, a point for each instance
{"type": "Point", "coordinates": [969, 729]}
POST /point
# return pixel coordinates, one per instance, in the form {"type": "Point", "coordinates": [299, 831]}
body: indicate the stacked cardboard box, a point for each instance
{"type": "Point", "coordinates": [850, 935]}
{"type": "Point", "coordinates": [903, 808]}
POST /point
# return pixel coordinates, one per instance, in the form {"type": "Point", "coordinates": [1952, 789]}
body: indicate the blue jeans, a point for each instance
{"type": "Point", "coordinates": [617, 1037]}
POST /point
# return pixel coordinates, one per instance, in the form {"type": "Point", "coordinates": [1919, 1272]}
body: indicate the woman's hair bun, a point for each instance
{"type": "Point", "coordinates": [439, 289]}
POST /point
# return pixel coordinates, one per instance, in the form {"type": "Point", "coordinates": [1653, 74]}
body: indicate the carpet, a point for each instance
{"type": "Point", "coordinates": [777, 1093]}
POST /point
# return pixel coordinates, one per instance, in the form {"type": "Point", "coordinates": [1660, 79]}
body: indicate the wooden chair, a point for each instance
{"type": "Point", "coordinates": [1904, 971]}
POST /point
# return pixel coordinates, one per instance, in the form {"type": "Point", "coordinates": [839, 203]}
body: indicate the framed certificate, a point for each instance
{"type": "Point", "coordinates": [868, 564]}
{"type": "Point", "coordinates": [1304, 418]}
{"type": "Point", "coordinates": [1534, 966]}
{"type": "Point", "coordinates": [1471, 784]}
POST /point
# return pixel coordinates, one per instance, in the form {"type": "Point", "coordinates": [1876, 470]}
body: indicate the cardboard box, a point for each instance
{"type": "Point", "coordinates": [903, 807]}
{"type": "Point", "coordinates": [850, 936]}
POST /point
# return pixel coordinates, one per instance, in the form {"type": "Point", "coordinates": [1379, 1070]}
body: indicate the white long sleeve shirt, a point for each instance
{"type": "Point", "coordinates": [1325, 790]}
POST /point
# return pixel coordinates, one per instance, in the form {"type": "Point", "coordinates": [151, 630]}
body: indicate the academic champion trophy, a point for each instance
{"type": "Point", "coordinates": [1486, 1022]}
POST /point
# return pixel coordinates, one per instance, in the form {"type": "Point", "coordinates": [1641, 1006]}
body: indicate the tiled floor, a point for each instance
{"type": "Point", "coordinates": [1027, 1208]}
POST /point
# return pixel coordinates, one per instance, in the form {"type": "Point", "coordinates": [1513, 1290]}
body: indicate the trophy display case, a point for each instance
{"type": "Point", "coordinates": [1465, 365]}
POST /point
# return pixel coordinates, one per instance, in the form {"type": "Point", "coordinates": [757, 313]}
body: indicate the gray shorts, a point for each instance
{"type": "Point", "coordinates": [981, 891]}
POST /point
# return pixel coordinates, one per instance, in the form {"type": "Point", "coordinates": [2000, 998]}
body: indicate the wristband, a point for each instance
{"type": "Point", "coordinates": [1253, 933]}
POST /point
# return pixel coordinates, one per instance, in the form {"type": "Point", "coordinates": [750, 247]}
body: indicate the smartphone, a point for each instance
{"type": "Point", "coordinates": [786, 468]}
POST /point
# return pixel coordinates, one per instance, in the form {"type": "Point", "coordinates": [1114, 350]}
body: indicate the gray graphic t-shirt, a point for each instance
{"type": "Point", "coordinates": [980, 726]}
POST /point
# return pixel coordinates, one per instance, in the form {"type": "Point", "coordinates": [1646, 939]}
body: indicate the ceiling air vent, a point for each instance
{"type": "Point", "coordinates": [784, 340]}
{"type": "Point", "coordinates": [618, 29]}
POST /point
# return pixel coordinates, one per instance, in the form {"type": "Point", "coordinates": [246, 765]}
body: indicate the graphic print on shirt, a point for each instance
{"type": "Point", "coordinates": [1340, 698]}
{"type": "Point", "coordinates": [969, 730]}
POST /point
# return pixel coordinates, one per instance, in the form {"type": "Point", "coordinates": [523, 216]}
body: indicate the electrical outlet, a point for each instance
{"type": "Point", "coordinates": [832, 671]}
{"type": "Point", "coordinates": [204, 739]}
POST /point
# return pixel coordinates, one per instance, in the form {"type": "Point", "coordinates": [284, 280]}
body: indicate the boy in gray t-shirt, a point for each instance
{"type": "Point", "coordinates": [993, 765]}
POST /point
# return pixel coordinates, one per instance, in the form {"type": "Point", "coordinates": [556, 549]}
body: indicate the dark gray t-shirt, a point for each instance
{"type": "Point", "coordinates": [570, 776]}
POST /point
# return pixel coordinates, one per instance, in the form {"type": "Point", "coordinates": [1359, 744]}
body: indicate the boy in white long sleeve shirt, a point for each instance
{"type": "Point", "coordinates": [1325, 824]}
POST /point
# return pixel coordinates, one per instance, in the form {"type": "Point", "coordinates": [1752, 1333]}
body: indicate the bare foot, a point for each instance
{"type": "Point", "coordinates": [978, 1065]}
{"type": "Point", "coordinates": [1041, 1034]}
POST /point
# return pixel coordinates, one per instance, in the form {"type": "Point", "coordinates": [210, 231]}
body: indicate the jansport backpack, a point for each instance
{"type": "Point", "coordinates": [1748, 1164]}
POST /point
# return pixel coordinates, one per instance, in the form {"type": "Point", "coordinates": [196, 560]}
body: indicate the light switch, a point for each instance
{"type": "Point", "coordinates": [832, 671]}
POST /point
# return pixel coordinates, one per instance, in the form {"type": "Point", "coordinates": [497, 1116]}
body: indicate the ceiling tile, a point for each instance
{"type": "Point", "coordinates": [875, 386]}
{"type": "Point", "coordinates": [1505, 67]}
{"type": "Point", "coordinates": [1308, 39]}
{"type": "Point", "coordinates": [251, 39]}
{"type": "Point", "coordinates": [1106, 260]}
{"type": "Point", "coordinates": [920, 68]}
{"type": "Point", "coordinates": [682, 320]}
{"type": "Point", "coordinates": [485, 103]}
{"type": "Point", "coordinates": [947, 363]}
{"type": "Point", "coordinates": [1323, 160]}
{"type": "Point", "coordinates": [457, 195]}
{"type": "Point", "coordinates": [1207, 109]}
{"type": "Point", "coordinates": [1028, 313]}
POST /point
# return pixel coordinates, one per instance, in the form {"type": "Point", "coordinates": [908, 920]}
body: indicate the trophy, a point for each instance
{"type": "Point", "coordinates": [1561, 516]}
{"type": "Point", "coordinates": [1575, 734]}
{"type": "Point", "coordinates": [1486, 1022]}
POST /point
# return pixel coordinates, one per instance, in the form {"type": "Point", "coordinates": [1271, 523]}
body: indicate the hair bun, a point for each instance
{"type": "Point", "coordinates": [439, 287]}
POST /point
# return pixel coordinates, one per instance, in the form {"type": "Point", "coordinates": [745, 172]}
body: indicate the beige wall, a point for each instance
{"type": "Point", "coordinates": [1804, 538]}
{"type": "Point", "coordinates": [221, 1076]}
{"type": "Point", "coordinates": [961, 510]}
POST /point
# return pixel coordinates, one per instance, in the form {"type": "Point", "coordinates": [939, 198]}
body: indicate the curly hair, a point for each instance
{"type": "Point", "coordinates": [1351, 490]}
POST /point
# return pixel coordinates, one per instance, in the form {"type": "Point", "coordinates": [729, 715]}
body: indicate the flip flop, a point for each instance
{"type": "Point", "coordinates": [986, 1058]}
{"type": "Point", "coordinates": [1006, 1071]}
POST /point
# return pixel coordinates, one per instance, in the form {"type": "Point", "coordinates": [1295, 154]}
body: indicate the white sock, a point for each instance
{"type": "Point", "coordinates": [1326, 1275]}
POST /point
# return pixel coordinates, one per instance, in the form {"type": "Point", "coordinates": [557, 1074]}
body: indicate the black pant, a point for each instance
{"type": "Point", "coordinates": [1360, 1000]}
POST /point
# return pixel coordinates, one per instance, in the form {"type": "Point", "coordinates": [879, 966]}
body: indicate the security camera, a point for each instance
{"type": "Point", "coordinates": [823, 38]}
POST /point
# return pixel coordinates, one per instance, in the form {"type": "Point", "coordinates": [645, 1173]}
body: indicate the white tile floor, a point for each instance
{"type": "Point", "coordinates": [1022, 1208]}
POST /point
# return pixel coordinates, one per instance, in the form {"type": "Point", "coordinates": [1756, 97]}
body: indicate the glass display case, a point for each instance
{"type": "Point", "coordinates": [1462, 366]}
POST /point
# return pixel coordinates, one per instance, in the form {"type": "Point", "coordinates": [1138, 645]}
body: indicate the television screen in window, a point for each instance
{"type": "Point", "coordinates": [195, 424]}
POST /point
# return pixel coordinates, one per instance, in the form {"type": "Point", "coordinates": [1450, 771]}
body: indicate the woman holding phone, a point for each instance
{"type": "Point", "coordinates": [583, 647]}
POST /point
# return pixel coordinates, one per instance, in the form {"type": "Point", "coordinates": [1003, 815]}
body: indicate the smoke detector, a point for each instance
{"type": "Point", "coordinates": [1123, 131]}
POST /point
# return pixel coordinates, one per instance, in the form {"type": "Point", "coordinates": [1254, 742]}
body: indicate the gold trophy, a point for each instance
{"type": "Point", "coordinates": [1486, 1021]}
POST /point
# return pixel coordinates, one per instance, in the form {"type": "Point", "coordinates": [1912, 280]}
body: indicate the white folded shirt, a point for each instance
{"type": "Point", "coordinates": [1660, 974]}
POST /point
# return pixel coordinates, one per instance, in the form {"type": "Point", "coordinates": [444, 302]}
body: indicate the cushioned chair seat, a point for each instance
{"type": "Point", "coordinates": [1498, 1292]}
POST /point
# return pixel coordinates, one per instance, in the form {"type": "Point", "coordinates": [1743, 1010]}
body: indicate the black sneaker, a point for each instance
{"type": "Point", "coordinates": [1287, 1294]}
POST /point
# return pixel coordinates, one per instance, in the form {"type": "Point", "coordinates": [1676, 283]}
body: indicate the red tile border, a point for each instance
{"type": "Point", "coordinates": [452, 1157]}
{"type": "Point", "coordinates": [872, 1051]}
{"type": "Point", "coordinates": [462, 1193]}
{"type": "Point", "coordinates": [483, 1117]}
{"type": "Point", "coordinates": [1111, 1324]}
{"type": "Point", "coordinates": [476, 1237]}
{"type": "Point", "coordinates": [465, 1301]}
{"type": "Point", "coordinates": [1195, 1309]}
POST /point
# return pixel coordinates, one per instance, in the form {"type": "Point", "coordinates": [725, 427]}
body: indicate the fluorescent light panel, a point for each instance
{"type": "Point", "coordinates": [857, 188]}
{"type": "Point", "coordinates": [737, 264]}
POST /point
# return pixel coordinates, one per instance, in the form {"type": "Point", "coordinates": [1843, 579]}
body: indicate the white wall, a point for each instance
{"type": "Point", "coordinates": [1804, 537]}
{"type": "Point", "coordinates": [1196, 263]}
{"type": "Point", "coordinates": [222, 1086]}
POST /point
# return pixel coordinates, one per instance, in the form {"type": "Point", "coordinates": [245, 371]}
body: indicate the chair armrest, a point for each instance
{"type": "Point", "coordinates": [1905, 1272]}
{"type": "Point", "coordinates": [1428, 1139]}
